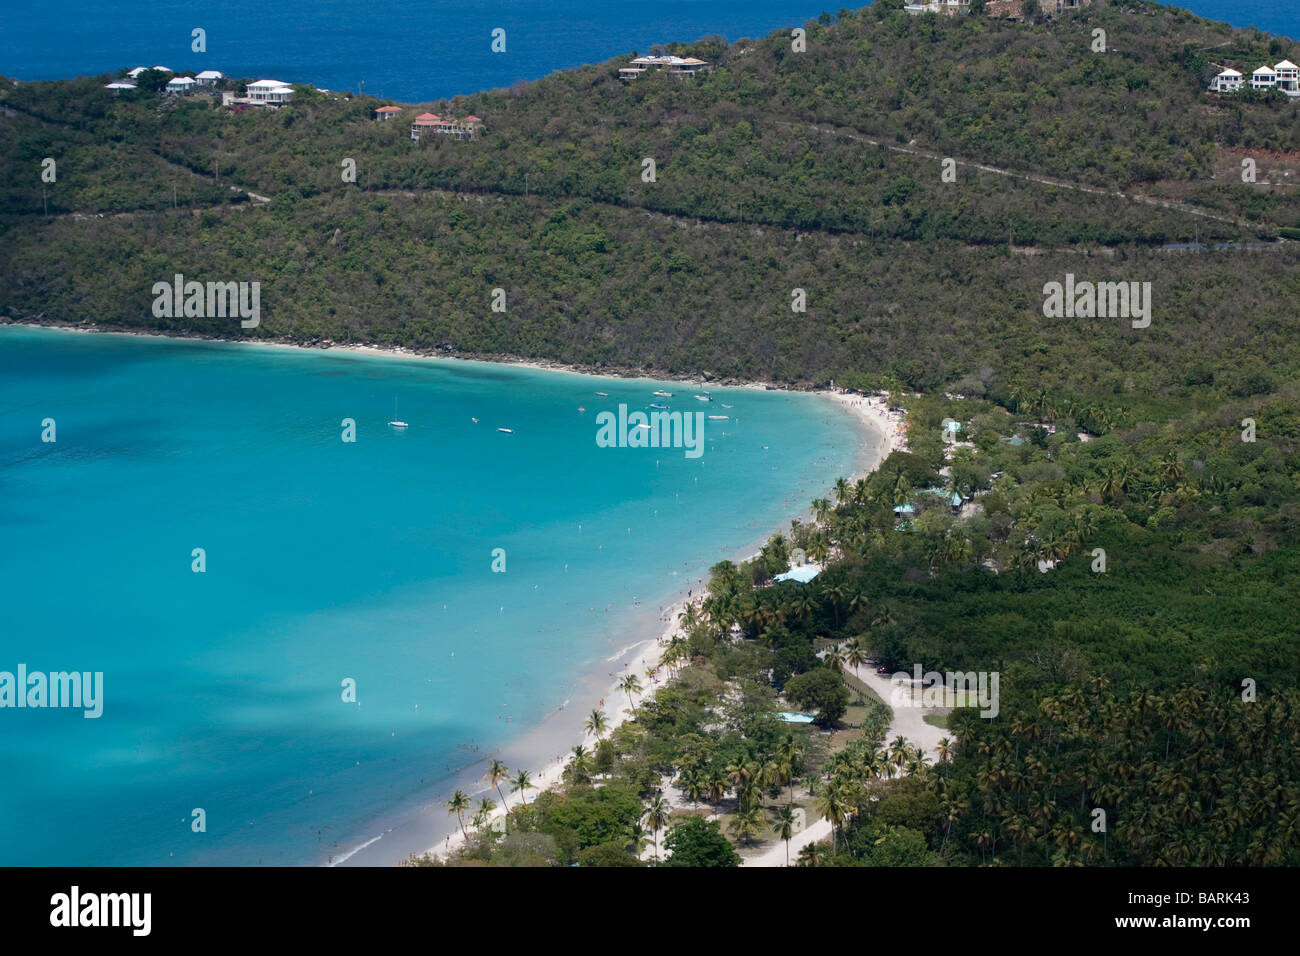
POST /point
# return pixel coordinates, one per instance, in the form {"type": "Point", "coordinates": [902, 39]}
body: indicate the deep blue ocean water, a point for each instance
{"type": "Point", "coordinates": [411, 50]}
{"type": "Point", "coordinates": [329, 560]}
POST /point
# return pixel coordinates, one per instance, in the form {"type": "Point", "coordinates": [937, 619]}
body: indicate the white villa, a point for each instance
{"type": "Point", "coordinates": [1229, 81]}
{"type": "Point", "coordinates": [209, 77]}
{"type": "Point", "coordinates": [943, 6]}
{"type": "Point", "coordinates": [119, 86]}
{"type": "Point", "coordinates": [1284, 76]}
{"type": "Point", "coordinates": [180, 84]}
{"type": "Point", "coordinates": [269, 93]}
{"type": "Point", "coordinates": [676, 65]}
{"type": "Point", "coordinates": [1288, 77]}
{"type": "Point", "coordinates": [1263, 78]}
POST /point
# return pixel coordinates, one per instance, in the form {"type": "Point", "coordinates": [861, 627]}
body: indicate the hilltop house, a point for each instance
{"type": "Point", "coordinates": [938, 6]}
{"type": "Point", "coordinates": [1284, 76]}
{"type": "Point", "coordinates": [180, 84]}
{"type": "Point", "coordinates": [269, 93]}
{"type": "Point", "coordinates": [432, 123]}
{"type": "Point", "coordinates": [1014, 9]}
{"type": "Point", "coordinates": [1263, 78]}
{"type": "Point", "coordinates": [676, 65]}
{"type": "Point", "coordinates": [387, 112]}
{"type": "Point", "coordinates": [119, 86]}
{"type": "Point", "coordinates": [209, 77]}
{"type": "Point", "coordinates": [1288, 77]}
{"type": "Point", "coordinates": [1229, 81]}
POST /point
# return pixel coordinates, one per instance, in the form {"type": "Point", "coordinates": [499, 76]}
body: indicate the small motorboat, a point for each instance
{"type": "Point", "coordinates": [703, 398]}
{"type": "Point", "coordinates": [658, 405]}
{"type": "Point", "coordinates": [508, 431]}
{"type": "Point", "coordinates": [664, 394]}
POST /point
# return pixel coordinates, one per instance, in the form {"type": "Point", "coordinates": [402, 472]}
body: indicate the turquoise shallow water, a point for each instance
{"type": "Point", "coordinates": [329, 560]}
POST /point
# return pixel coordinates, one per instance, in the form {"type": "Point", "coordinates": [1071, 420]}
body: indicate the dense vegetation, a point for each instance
{"type": "Point", "coordinates": [1122, 689]}
{"type": "Point", "coordinates": [765, 182]}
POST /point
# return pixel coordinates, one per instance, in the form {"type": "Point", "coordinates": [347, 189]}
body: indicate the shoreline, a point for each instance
{"type": "Point", "coordinates": [873, 418]}
{"type": "Point", "coordinates": [876, 436]}
{"type": "Point", "coordinates": [400, 351]}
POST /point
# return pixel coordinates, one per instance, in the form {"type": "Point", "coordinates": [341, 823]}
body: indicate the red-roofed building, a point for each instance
{"type": "Point", "coordinates": [428, 122]}
{"type": "Point", "coordinates": [421, 123]}
{"type": "Point", "coordinates": [387, 112]}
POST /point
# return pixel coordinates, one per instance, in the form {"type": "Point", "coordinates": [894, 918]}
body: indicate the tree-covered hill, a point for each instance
{"type": "Point", "coordinates": [775, 171]}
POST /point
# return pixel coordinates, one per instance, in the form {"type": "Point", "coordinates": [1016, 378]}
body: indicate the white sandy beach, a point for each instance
{"type": "Point", "coordinates": [871, 410]}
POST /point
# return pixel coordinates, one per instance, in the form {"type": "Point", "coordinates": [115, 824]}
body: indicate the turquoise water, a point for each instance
{"type": "Point", "coordinates": [329, 560]}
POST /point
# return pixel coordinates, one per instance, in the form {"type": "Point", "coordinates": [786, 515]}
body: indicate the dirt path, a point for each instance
{"type": "Point", "coordinates": [907, 723]}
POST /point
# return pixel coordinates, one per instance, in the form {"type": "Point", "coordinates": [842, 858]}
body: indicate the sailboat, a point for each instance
{"type": "Point", "coordinates": [396, 422]}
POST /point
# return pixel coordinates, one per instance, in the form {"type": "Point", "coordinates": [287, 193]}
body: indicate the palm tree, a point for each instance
{"type": "Point", "coordinates": [486, 807]}
{"type": "Point", "coordinates": [581, 763]}
{"type": "Point", "coordinates": [716, 788]}
{"type": "Point", "coordinates": [855, 655]}
{"type": "Point", "coordinates": [783, 826]}
{"type": "Point", "coordinates": [833, 807]}
{"type": "Point", "coordinates": [746, 823]}
{"type": "Point", "coordinates": [630, 685]}
{"type": "Point", "coordinates": [458, 804]}
{"type": "Point", "coordinates": [522, 783]}
{"type": "Point", "coordinates": [596, 724]}
{"type": "Point", "coordinates": [837, 594]}
{"type": "Point", "coordinates": [811, 854]}
{"type": "Point", "coordinates": [656, 817]}
{"type": "Point", "coordinates": [497, 771]}
{"type": "Point", "coordinates": [788, 755]}
{"type": "Point", "coordinates": [691, 783]}
{"type": "Point", "coordinates": [944, 749]}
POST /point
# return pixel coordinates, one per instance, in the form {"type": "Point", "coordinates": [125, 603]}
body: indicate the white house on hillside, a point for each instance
{"type": "Point", "coordinates": [1229, 81]}
{"type": "Point", "coordinates": [1263, 78]}
{"type": "Point", "coordinates": [1284, 76]}
{"type": "Point", "coordinates": [1288, 77]}
{"type": "Point", "coordinates": [180, 84]}
{"type": "Point", "coordinates": [676, 65]}
{"type": "Point", "coordinates": [269, 93]}
{"type": "Point", "coordinates": [209, 77]}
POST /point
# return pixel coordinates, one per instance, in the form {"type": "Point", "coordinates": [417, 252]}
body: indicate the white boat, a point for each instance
{"type": "Point", "coordinates": [396, 423]}
{"type": "Point", "coordinates": [604, 394]}
{"type": "Point", "coordinates": [703, 398]}
{"type": "Point", "coordinates": [658, 405]}
{"type": "Point", "coordinates": [646, 427]}
{"type": "Point", "coordinates": [664, 394]}
{"type": "Point", "coordinates": [508, 431]}
{"type": "Point", "coordinates": [717, 418]}
{"type": "Point", "coordinates": [725, 405]}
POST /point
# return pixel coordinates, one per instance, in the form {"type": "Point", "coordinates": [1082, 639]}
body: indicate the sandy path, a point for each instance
{"type": "Point", "coordinates": [907, 722]}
